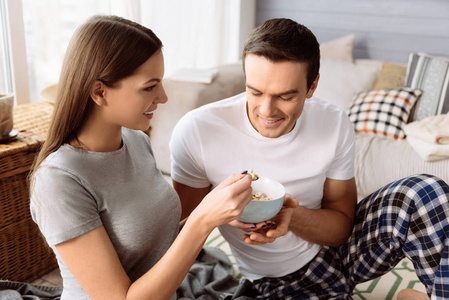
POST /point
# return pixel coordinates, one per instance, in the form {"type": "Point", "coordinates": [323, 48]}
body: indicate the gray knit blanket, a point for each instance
{"type": "Point", "coordinates": [210, 278]}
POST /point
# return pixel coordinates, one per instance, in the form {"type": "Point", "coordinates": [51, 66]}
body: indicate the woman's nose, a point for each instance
{"type": "Point", "coordinates": [162, 96]}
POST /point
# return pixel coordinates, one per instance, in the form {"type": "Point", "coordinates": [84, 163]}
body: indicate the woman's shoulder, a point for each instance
{"type": "Point", "coordinates": [60, 165]}
{"type": "Point", "coordinates": [136, 140]}
{"type": "Point", "coordinates": [64, 157]}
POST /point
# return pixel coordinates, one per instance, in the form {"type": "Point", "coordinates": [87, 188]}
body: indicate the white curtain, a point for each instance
{"type": "Point", "coordinates": [195, 33]}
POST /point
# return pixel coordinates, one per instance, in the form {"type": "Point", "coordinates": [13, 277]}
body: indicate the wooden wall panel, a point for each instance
{"type": "Point", "coordinates": [384, 29]}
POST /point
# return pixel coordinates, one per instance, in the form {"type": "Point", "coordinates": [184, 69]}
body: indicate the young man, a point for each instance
{"type": "Point", "coordinates": [328, 243]}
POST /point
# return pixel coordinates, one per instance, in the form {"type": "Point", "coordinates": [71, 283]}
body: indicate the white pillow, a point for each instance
{"type": "Point", "coordinates": [341, 80]}
{"type": "Point", "coordinates": [429, 74]}
{"type": "Point", "coordinates": [340, 48]}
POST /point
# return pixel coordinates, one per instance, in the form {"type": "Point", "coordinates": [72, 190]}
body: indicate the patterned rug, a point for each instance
{"type": "Point", "coordinates": [386, 287]}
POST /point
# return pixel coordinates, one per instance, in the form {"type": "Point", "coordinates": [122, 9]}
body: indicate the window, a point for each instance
{"type": "Point", "coordinates": [206, 41]}
{"type": "Point", "coordinates": [47, 34]}
{"type": "Point", "coordinates": [5, 67]}
{"type": "Point", "coordinates": [13, 74]}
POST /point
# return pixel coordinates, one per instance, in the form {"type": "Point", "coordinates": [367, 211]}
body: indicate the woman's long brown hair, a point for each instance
{"type": "Point", "coordinates": [105, 48]}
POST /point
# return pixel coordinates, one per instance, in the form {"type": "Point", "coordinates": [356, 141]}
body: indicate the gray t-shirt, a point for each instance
{"type": "Point", "coordinates": [75, 191]}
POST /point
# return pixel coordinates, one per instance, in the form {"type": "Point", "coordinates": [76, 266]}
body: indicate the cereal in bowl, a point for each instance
{"type": "Point", "coordinates": [260, 196]}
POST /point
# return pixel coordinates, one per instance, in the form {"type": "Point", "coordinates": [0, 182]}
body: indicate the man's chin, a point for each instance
{"type": "Point", "coordinates": [270, 133]}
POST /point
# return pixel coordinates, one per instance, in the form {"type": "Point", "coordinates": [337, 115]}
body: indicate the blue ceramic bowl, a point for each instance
{"type": "Point", "coordinates": [262, 210]}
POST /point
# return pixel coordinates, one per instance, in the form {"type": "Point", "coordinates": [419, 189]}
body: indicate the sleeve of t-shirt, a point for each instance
{"type": "Point", "coordinates": [61, 205]}
{"type": "Point", "coordinates": [342, 167]}
{"type": "Point", "coordinates": [187, 165]}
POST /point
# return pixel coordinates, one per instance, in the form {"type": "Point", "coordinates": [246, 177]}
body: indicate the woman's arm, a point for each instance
{"type": "Point", "coordinates": [94, 262]}
{"type": "Point", "coordinates": [92, 259]}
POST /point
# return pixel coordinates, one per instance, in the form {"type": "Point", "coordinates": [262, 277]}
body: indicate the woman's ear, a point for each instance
{"type": "Point", "coordinates": [97, 93]}
{"type": "Point", "coordinates": [313, 87]}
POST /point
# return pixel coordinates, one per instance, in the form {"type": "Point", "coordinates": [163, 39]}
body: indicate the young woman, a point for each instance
{"type": "Point", "coordinates": [96, 194]}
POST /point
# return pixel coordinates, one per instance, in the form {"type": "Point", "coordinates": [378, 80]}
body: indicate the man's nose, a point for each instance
{"type": "Point", "coordinates": [267, 107]}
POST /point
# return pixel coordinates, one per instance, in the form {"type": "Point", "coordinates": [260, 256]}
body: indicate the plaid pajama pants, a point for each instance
{"type": "Point", "coordinates": [407, 218]}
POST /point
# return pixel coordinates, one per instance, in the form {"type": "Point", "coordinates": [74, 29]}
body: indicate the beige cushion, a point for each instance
{"type": "Point", "coordinates": [391, 76]}
{"type": "Point", "coordinates": [185, 96]}
{"type": "Point", "coordinates": [340, 80]}
{"type": "Point", "coordinates": [379, 161]}
{"type": "Point", "coordinates": [340, 48]}
{"type": "Point", "coordinates": [48, 94]}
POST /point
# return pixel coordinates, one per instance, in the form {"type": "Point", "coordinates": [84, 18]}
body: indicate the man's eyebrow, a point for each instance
{"type": "Point", "coordinates": [253, 88]}
{"type": "Point", "coordinates": [292, 91]}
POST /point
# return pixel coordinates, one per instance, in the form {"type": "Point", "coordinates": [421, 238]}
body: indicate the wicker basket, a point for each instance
{"type": "Point", "coordinates": [24, 254]}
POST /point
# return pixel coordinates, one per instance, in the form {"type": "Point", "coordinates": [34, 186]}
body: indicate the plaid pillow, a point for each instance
{"type": "Point", "coordinates": [382, 112]}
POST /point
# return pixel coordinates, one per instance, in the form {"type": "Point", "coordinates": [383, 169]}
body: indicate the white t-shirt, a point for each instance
{"type": "Point", "coordinates": [215, 140]}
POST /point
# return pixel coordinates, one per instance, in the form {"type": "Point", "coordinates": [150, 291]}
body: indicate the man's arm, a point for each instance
{"type": "Point", "coordinates": [331, 225]}
{"type": "Point", "coordinates": [190, 197]}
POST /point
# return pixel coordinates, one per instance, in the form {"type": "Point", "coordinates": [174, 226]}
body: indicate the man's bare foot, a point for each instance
{"type": "Point", "coordinates": [411, 294]}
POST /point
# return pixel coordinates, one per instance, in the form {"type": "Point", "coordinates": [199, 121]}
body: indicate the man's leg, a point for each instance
{"type": "Point", "coordinates": [322, 278]}
{"type": "Point", "coordinates": [407, 218]}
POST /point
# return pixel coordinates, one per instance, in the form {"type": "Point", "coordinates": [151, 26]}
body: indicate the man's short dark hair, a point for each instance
{"type": "Point", "coordinates": [285, 40]}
